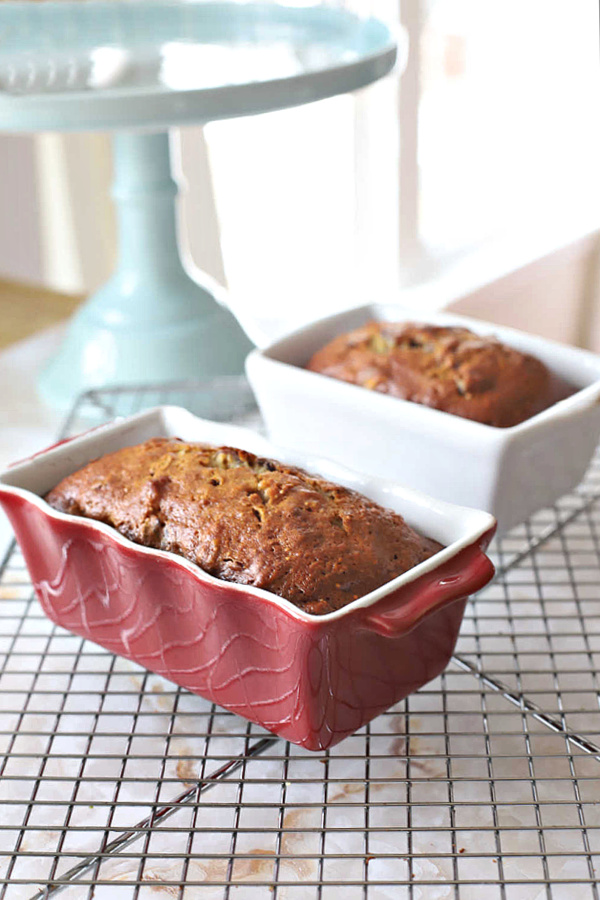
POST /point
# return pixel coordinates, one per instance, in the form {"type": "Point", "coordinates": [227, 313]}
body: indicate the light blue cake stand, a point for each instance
{"type": "Point", "coordinates": [137, 68]}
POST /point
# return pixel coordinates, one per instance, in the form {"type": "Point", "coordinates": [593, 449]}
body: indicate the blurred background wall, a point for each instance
{"type": "Point", "coordinates": [473, 181]}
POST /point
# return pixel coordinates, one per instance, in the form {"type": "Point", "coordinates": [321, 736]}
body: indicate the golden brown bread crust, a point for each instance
{"type": "Point", "coordinates": [451, 369]}
{"type": "Point", "coordinates": [246, 519]}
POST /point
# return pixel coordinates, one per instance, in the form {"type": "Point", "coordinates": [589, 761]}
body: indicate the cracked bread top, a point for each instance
{"type": "Point", "coordinates": [246, 519]}
{"type": "Point", "coordinates": [451, 369]}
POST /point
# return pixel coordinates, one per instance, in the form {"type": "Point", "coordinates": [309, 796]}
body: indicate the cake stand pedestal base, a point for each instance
{"type": "Point", "coordinates": [151, 321]}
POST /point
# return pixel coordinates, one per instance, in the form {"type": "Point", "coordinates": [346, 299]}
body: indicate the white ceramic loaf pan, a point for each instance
{"type": "Point", "coordinates": [510, 472]}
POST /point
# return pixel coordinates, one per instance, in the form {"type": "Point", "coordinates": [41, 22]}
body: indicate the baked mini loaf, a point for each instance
{"type": "Point", "coordinates": [452, 369]}
{"type": "Point", "coordinates": [246, 519]}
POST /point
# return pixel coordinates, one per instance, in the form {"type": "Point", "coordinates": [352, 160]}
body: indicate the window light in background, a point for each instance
{"type": "Point", "coordinates": [494, 139]}
{"type": "Point", "coordinates": [502, 103]}
{"type": "Point", "coordinates": [508, 124]}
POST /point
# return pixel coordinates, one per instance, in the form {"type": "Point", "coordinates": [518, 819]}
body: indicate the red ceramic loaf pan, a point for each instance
{"type": "Point", "coordinates": [310, 679]}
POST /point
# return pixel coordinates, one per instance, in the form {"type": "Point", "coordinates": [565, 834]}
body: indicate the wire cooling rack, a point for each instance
{"type": "Point", "coordinates": [485, 784]}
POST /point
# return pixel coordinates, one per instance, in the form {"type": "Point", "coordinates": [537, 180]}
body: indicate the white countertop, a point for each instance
{"type": "Point", "coordinates": [493, 793]}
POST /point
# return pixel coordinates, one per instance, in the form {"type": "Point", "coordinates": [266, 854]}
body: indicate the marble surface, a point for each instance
{"type": "Point", "coordinates": [429, 764]}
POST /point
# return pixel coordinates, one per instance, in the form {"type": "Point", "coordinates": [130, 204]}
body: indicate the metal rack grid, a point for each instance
{"type": "Point", "coordinates": [486, 783]}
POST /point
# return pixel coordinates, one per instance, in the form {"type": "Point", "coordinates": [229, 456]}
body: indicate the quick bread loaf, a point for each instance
{"type": "Point", "coordinates": [248, 520]}
{"type": "Point", "coordinates": [451, 369]}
